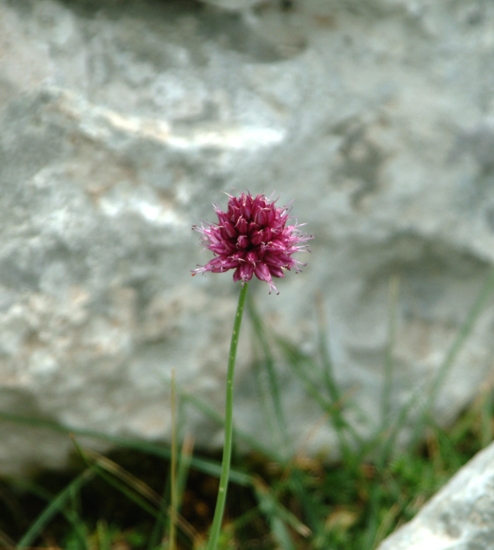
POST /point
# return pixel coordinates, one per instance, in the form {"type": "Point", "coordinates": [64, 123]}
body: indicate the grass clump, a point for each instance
{"type": "Point", "coordinates": [303, 504]}
{"type": "Point", "coordinates": [145, 496]}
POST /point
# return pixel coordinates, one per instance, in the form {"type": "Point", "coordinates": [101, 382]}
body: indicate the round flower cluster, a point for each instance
{"type": "Point", "coordinates": [253, 238]}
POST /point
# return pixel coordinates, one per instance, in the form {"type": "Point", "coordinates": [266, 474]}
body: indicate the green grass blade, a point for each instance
{"type": "Point", "coordinates": [323, 348]}
{"type": "Point", "coordinates": [173, 469]}
{"type": "Point", "coordinates": [80, 531]}
{"type": "Point", "coordinates": [55, 506]}
{"type": "Point", "coordinates": [465, 331]}
{"type": "Point", "coordinates": [388, 360]}
{"type": "Point", "coordinates": [373, 523]}
{"type": "Point", "coordinates": [238, 434]}
{"type": "Point", "coordinates": [104, 538]}
{"type": "Point", "coordinates": [278, 517]}
{"type": "Point", "coordinates": [203, 465]}
{"type": "Point", "coordinates": [299, 363]}
{"type": "Point", "coordinates": [486, 420]}
{"type": "Point", "coordinates": [427, 417]}
{"type": "Point", "coordinates": [310, 509]}
{"type": "Point", "coordinates": [337, 418]}
{"type": "Point", "coordinates": [272, 379]}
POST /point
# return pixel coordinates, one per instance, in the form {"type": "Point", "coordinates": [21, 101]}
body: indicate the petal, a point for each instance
{"type": "Point", "coordinates": [252, 227]}
{"type": "Point", "coordinates": [261, 271]}
{"type": "Point", "coordinates": [222, 248]}
{"type": "Point", "coordinates": [260, 218]}
{"type": "Point", "coordinates": [267, 235]}
{"type": "Point", "coordinates": [242, 241]}
{"type": "Point", "coordinates": [220, 265]}
{"type": "Point", "coordinates": [276, 245]}
{"type": "Point", "coordinates": [246, 271]}
{"type": "Point", "coordinates": [251, 257]}
{"type": "Point", "coordinates": [256, 238]}
{"type": "Point", "coordinates": [241, 225]}
{"type": "Point", "coordinates": [236, 275]}
{"type": "Point", "coordinates": [247, 208]}
{"type": "Point", "coordinates": [276, 272]}
{"type": "Point", "coordinates": [228, 231]}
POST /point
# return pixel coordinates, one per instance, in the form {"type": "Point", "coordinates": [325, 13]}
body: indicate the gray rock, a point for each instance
{"type": "Point", "coordinates": [233, 5]}
{"type": "Point", "coordinates": [459, 517]}
{"type": "Point", "coordinates": [121, 122]}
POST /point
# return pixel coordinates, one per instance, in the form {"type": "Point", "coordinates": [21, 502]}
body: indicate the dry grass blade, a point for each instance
{"type": "Point", "coordinates": [132, 481]}
{"type": "Point", "coordinates": [137, 485]}
{"type": "Point", "coordinates": [6, 542]}
{"type": "Point", "coordinates": [386, 523]}
{"type": "Point", "coordinates": [265, 493]}
{"type": "Point", "coordinates": [300, 454]}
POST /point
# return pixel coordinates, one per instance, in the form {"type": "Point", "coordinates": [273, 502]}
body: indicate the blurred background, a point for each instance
{"type": "Point", "coordinates": [122, 121]}
{"type": "Point", "coordinates": [360, 388]}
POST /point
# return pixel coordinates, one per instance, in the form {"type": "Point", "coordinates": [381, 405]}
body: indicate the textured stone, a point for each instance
{"type": "Point", "coordinates": [233, 5]}
{"type": "Point", "coordinates": [459, 517]}
{"type": "Point", "coordinates": [121, 122]}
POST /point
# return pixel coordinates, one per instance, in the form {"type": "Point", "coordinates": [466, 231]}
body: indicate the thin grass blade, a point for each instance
{"type": "Point", "coordinates": [52, 509]}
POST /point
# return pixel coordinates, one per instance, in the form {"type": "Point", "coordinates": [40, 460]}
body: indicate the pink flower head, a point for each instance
{"type": "Point", "coordinates": [253, 238]}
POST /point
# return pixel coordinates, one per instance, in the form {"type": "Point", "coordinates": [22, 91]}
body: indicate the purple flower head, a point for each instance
{"type": "Point", "coordinates": [253, 238]}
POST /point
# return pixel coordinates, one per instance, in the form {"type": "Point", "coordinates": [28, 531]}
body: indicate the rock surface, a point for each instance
{"type": "Point", "coordinates": [459, 517]}
{"type": "Point", "coordinates": [120, 123]}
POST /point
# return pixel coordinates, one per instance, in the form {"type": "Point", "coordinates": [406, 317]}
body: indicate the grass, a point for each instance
{"type": "Point", "coordinates": [149, 496]}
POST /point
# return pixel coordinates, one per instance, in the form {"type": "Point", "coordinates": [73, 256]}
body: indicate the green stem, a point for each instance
{"type": "Point", "coordinates": [227, 449]}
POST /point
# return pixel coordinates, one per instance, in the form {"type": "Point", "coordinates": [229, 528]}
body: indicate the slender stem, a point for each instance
{"type": "Point", "coordinates": [227, 449]}
{"type": "Point", "coordinates": [173, 473]}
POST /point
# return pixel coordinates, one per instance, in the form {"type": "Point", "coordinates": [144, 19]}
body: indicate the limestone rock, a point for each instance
{"type": "Point", "coordinates": [459, 517]}
{"type": "Point", "coordinates": [120, 124]}
{"type": "Point", "coordinates": [233, 5]}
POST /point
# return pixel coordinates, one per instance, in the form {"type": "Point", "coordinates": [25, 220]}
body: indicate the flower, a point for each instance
{"type": "Point", "coordinates": [253, 238]}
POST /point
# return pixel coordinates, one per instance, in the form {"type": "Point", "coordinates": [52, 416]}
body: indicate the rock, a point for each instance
{"type": "Point", "coordinates": [120, 124]}
{"type": "Point", "coordinates": [233, 5]}
{"type": "Point", "coordinates": [459, 517]}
